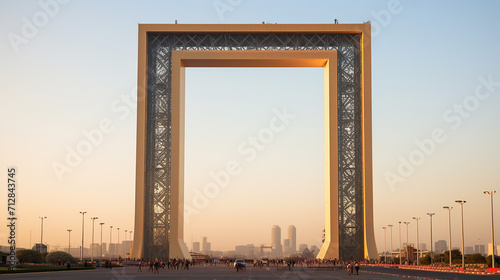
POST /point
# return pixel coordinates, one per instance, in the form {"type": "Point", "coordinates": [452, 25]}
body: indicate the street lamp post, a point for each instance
{"type": "Point", "coordinates": [385, 240]}
{"type": "Point", "coordinates": [399, 242]}
{"type": "Point", "coordinates": [110, 239]}
{"type": "Point", "coordinates": [118, 244]}
{"type": "Point", "coordinates": [407, 257]}
{"type": "Point", "coordinates": [430, 215]}
{"type": "Point", "coordinates": [391, 241]}
{"type": "Point", "coordinates": [449, 227]}
{"type": "Point", "coordinates": [92, 245]}
{"type": "Point", "coordinates": [462, 202]}
{"type": "Point", "coordinates": [418, 245]}
{"type": "Point", "coordinates": [41, 231]}
{"type": "Point", "coordinates": [83, 227]}
{"type": "Point", "coordinates": [126, 243]}
{"type": "Point", "coordinates": [100, 257]}
{"type": "Point", "coordinates": [69, 241]}
{"type": "Point", "coordinates": [491, 193]}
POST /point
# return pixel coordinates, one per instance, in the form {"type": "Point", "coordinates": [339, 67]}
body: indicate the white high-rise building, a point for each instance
{"type": "Point", "coordinates": [206, 246]}
{"type": "Point", "coordinates": [276, 240]}
{"type": "Point", "coordinates": [292, 235]}
{"type": "Point", "coordinates": [286, 247]}
{"type": "Point", "coordinates": [196, 247]}
{"type": "Point", "coordinates": [490, 249]}
{"type": "Point", "coordinates": [440, 246]}
{"type": "Point", "coordinates": [302, 247]}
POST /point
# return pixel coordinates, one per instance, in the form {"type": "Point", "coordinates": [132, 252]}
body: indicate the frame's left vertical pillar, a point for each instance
{"type": "Point", "coordinates": [177, 247]}
{"type": "Point", "coordinates": [137, 250]}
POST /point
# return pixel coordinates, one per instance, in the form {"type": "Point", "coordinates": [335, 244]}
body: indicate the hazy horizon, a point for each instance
{"type": "Point", "coordinates": [73, 72]}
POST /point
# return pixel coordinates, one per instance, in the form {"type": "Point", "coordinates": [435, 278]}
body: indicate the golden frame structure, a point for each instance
{"type": "Point", "coordinates": [180, 59]}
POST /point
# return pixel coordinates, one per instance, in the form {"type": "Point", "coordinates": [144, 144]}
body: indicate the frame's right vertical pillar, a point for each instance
{"type": "Point", "coordinates": [366, 97]}
{"type": "Point", "coordinates": [330, 248]}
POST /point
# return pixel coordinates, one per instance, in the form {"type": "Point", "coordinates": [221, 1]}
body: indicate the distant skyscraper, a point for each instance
{"type": "Point", "coordinates": [104, 249]}
{"type": "Point", "coordinates": [480, 249]}
{"type": "Point", "coordinates": [42, 248]}
{"type": "Point", "coordinates": [314, 249]}
{"type": "Point", "coordinates": [241, 250]}
{"type": "Point", "coordinates": [276, 240]}
{"type": "Point", "coordinates": [423, 246]}
{"type": "Point", "coordinates": [490, 249]}
{"type": "Point", "coordinates": [302, 247]}
{"type": "Point", "coordinates": [196, 247]}
{"type": "Point", "coordinates": [286, 247]}
{"type": "Point", "coordinates": [469, 250]}
{"type": "Point", "coordinates": [440, 246]}
{"type": "Point", "coordinates": [292, 235]}
{"type": "Point", "coordinates": [206, 246]}
{"type": "Point", "coordinates": [95, 249]}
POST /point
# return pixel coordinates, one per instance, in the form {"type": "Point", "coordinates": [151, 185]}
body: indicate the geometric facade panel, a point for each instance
{"type": "Point", "coordinates": [157, 43]}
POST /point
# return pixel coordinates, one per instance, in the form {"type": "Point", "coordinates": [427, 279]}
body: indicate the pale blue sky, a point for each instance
{"type": "Point", "coordinates": [80, 65]}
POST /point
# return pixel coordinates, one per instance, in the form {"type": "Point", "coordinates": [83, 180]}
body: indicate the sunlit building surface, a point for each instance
{"type": "Point", "coordinates": [292, 236]}
{"type": "Point", "coordinates": [343, 50]}
{"type": "Point", "coordinates": [276, 240]}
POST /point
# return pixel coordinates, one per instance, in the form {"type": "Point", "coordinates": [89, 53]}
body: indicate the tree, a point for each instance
{"type": "Point", "coordinates": [497, 260]}
{"type": "Point", "coordinates": [55, 257]}
{"type": "Point", "coordinates": [425, 260]}
{"type": "Point", "coordinates": [438, 258]}
{"type": "Point", "coordinates": [29, 256]}
{"type": "Point", "coordinates": [475, 258]}
{"type": "Point", "coordinates": [455, 255]}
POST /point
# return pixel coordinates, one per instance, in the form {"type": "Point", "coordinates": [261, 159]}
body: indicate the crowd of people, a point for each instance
{"type": "Point", "coordinates": [154, 266]}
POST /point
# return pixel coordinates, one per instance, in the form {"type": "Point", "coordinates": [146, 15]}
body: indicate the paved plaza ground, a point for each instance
{"type": "Point", "coordinates": [221, 272]}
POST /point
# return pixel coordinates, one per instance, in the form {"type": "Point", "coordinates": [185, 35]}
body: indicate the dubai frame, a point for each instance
{"type": "Point", "coordinates": [165, 50]}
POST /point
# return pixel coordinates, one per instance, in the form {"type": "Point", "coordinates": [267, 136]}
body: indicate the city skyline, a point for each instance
{"type": "Point", "coordinates": [276, 247]}
{"type": "Point", "coordinates": [435, 120]}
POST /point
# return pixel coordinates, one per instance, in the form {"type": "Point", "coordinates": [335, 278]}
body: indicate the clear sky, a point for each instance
{"type": "Point", "coordinates": [70, 68]}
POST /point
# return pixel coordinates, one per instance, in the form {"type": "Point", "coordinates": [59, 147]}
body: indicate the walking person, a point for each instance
{"type": "Point", "coordinates": [150, 266]}
{"type": "Point", "coordinates": [349, 269]}
{"type": "Point", "coordinates": [156, 266]}
{"type": "Point", "coordinates": [356, 266]}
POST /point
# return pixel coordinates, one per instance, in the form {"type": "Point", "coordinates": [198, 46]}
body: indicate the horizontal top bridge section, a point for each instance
{"type": "Point", "coordinates": [254, 58]}
{"type": "Point", "coordinates": [354, 28]}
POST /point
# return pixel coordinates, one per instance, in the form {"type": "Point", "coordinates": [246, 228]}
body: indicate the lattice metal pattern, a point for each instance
{"type": "Point", "coordinates": [158, 138]}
